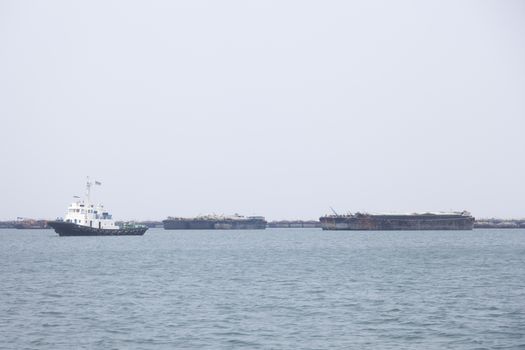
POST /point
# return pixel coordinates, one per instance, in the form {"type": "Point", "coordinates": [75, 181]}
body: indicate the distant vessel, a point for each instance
{"type": "Point", "coordinates": [30, 224]}
{"type": "Point", "coordinates": [294, 224]}
{"type": "Point", "coordinates": [216, 222]}
{"type": "Point", "coordinates": [86, 219]}
{"type": "Point", "coordinates": [416, 221]}
{"type": "Point", "coordinates": [7, 224]}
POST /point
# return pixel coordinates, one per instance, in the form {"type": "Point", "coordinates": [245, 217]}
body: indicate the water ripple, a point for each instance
{"type": "Point", "coordinates": [273, 289]}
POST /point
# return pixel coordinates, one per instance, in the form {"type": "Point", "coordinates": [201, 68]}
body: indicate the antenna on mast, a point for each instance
{"type": "Point", "coordinates": [88, 191]}
{"type": "Point", "coordinates": [88, 194]}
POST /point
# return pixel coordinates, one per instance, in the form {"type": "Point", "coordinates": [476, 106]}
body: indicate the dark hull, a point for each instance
{"type": "Point", "coordinates": [196, 224]}
{"type": "Point", "coordinates": [70, 229]}
{"type": "Point", "coordinates": [397, 223]}
{"type": "Point", "coordinates": [32, 225]}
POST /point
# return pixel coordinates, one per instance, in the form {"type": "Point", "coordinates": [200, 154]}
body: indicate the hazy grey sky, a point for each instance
{"type": "Point", "coordinates": [277, 108]}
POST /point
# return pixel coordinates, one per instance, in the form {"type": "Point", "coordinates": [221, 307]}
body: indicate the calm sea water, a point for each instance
{"type": "Point", "coordinates": [273, 289]}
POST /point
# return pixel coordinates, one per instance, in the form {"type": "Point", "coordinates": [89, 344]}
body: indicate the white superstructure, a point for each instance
{"type": "Point", "coordinates": [84, 213]}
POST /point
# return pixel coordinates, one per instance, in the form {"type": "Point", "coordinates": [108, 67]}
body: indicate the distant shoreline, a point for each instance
{"type": "Point", "coordinates": [479, 223]}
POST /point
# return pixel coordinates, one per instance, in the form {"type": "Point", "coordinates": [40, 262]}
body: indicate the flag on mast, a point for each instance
{"type": "Point", "coordinates": [98, 183]}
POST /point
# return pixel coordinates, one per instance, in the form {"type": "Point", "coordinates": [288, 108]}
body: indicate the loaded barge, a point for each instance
{"type": "Point", "coordinates": [416, 221]}
{"type": "Point", "coordinates": [216, 222]}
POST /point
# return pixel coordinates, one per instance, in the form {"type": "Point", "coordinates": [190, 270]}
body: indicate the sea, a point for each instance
{"type": "Point", "coordinates": [267, 289]}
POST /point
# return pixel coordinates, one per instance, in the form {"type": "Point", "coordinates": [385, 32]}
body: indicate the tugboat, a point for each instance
{"type": "Point", "coordinates": [86, 219]}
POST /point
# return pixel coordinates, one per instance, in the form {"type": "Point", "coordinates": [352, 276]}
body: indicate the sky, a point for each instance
{"type": "Point", "coordinates": [275, 108]}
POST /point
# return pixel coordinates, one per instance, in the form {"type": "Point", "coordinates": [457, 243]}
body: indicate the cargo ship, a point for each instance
{"type": "Point", "coordinates": [86, 219]}
{"type": "Point", "coordinates": [216, 222]}
{"type": "Point", "coordinates": [415, 221]}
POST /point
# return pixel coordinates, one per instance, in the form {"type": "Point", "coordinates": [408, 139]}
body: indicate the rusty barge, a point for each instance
{"type": "Point", "coordinates": [382, 222]}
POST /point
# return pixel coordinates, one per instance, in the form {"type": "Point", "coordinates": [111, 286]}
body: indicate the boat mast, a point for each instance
{"type": "Point", "coordinates": [88, 198]}
{"type": "Point", "coordinates": [88, 191]}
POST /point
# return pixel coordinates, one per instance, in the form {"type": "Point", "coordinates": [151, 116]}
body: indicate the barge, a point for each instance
{"type": "Point", "coordinates": [415, 221]}
{"type": "Point", "coordinates": [216, 222]}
